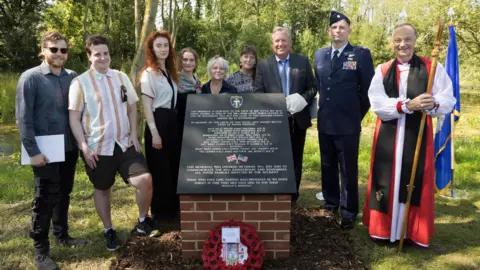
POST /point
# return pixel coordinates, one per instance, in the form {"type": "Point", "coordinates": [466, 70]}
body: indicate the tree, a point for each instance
{"type": "Point", "coordinates": [147, 27]}
{"type": "Point", "coordinates": [18, 39]}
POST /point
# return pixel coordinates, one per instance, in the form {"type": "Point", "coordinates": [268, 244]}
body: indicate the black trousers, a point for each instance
{"type": "Point", "coordinates": [163, 164]}
{"type": "Point", "coordinates": [340, 151]}
{"type": "Point", "coordinates": [181, 107]}
{"type": "Point", "coordinates": [53, 185]}
{"type": "Point", "coordinates": [297, 138]}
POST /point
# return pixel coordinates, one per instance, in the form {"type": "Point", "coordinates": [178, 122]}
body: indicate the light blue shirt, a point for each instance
{"type": "Point", "coordinates": [339, 50]}
{"type": "Point", "coordinates": [280, 70]}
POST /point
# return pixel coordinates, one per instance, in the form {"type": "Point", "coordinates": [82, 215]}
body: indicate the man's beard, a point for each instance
{"type": "Point", "coordinates": [52, 63]}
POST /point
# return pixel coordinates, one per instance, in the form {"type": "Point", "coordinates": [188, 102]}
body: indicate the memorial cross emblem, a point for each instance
{"type": "Point", "coordinates": [236, 101]}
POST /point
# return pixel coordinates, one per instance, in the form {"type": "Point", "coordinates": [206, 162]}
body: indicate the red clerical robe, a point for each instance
{"type": "Point", "coordinates": [394, 146]}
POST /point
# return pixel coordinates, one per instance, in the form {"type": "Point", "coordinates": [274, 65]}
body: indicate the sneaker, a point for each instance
{"type": "Point", "coordinates": [71, 242]}
{"type": "Point", "coordinates": [112, 240]}
{"type": "Point", "coordinates": [146, 228]}
{"type": "Point", "coordinates": [44, 262]}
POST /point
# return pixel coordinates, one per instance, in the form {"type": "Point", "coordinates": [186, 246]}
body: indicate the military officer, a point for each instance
{"type": "Point", "coordinates": [343, 74]}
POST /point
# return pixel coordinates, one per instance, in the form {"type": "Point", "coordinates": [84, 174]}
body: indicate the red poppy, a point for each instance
{"type": "Point", "coordinates": [248, 236]}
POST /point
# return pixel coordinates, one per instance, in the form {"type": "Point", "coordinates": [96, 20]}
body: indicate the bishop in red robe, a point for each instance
{"type": "Point", "coordinates": [398, 95]}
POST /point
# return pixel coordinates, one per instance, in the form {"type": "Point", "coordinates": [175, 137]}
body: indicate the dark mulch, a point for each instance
{"type": "Point", "coordinates": [317, 242]}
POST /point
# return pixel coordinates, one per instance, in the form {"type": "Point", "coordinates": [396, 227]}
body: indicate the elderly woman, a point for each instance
{"type": "Point", "coordinates": [243, 79]}
{"type": "Point", "coordinates": [217, 69]}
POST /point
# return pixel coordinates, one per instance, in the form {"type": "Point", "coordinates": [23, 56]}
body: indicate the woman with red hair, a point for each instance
{"type": "Point", "coordinates": [159, 80]}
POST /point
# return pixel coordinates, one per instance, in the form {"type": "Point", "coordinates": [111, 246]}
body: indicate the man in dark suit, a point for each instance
{"type": "Point", "coordinates": [343, 74]}
{"type": "Point", "coordinates": [291, 74]}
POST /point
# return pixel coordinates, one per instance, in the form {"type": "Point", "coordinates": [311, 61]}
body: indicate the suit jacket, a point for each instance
{"type": "Point", "coordinates": [343, 89]}
{"type": "Point", "coordinates": [267, 80]}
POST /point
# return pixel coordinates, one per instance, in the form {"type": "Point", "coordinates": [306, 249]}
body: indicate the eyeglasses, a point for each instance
{"type": "Point", "coordinates": [55, 50]}
{"type": "Point", "coordinates": [123, 93]}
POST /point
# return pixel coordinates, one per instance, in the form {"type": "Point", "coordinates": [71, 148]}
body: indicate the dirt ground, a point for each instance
{"type": "Point", "coordinates": [317, 242]}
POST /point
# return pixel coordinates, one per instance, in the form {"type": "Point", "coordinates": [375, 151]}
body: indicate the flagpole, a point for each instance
{"type": "Point", "coordinates": [452, 149]}
{"type": "Point", "coordinates": [410, 187]}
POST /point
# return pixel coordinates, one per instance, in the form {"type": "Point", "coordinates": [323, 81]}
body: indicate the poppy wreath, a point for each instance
{"type": "Point", "coordinates": [212, 248]}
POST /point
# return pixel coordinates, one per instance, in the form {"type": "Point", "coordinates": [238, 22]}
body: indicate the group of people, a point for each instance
{"type": "Point", "coordinates": [96, 112]}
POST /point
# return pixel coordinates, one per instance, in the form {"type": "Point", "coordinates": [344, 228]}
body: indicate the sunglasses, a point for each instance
{"type": "Point", "coordinates": [123, 93]}
{"type": "Point", "coordinates": [55, 50]}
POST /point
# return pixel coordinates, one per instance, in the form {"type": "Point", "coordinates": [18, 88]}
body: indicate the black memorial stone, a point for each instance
{"type": "Point", "coordinates": [236, 144]}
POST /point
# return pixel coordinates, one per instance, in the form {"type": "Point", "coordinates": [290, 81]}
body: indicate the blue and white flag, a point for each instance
{"type": "Point", "coordinates": [443, 138]}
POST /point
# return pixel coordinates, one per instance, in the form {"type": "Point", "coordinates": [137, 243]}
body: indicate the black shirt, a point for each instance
{"type": "Point", "coordinates": [226, 88]}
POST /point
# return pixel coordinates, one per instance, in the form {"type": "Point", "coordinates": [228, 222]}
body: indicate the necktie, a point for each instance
{"type": "Point", "coordinates": [283, 76]}
{"type": "Point", "coordinates": [335, 57]}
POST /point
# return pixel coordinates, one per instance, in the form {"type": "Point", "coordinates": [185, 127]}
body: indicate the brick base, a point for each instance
{"type": "Point", "coordinates": [268, 214]}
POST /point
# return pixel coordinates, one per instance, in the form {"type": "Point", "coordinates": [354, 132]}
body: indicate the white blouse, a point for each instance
{"type": "Point", "coordinates": [386, 107]}
{"type": "Point", "coordinates": [156, 86]}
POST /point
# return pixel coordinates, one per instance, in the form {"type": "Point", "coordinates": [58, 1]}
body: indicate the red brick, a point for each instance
{"type": "Point", "coordinates": [225, 216]}
{"type": "Point", "coordinates": [266, 235]}
{"type": "Point", "coordinates": [270, 254]}
{"type": "Point", "coordinates": [259, 197]}
{"type": "Point", "coordinates": [275, 245]}
{"type": "Point", "coordinates": [259, 215]}
{"type": "Point", "coordinates": [194, 235]}
{"type": "Point", "coordinates": [282, 236]}
{"type": "Point", "coordinates": [187, 206]}
{"type": "Point", "coordinates": [211, 206]}
{"type": "Point", "coordinates": [200, 244]}
{"type": "Point", "coordinates": [284, 216]}
{"type": "Point", "coordinates": [275, 206]}
{"type": "Point", "coordinates": [207, 225]}
{"type": "Point", "coordinates": [282, 254]}
{"type": "Point", "coordinates": [187, 226]}
{"type": "Point", "coordinates": [194, 198]}
{"type": "Point", "coordinates": [197, 254]}
{"type": "Point", "coordinates": [188, 245]}
{"type": "Point", "coordinates": [243, 206]}
{"type": "Point", "coordinates": [227, 198]}
{"type": "Point", "coordinates": [194, 216]}
{"type": "Point", "coordinates": [274, 226]}
{"type": "Point", "coordinates": [284, 197]}
{"type": "Point", "coordinates": [254, 224]}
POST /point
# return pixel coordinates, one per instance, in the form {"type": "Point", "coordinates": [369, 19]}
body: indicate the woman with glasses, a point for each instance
{"type": "Point", "coordinates": [217, 69]}
{"type": "Point", "coordinates": [189, 83]}
{"type": "Point", "coordinates": [243, 79]}
{"type": "Point", "coordinates": [159, 80]}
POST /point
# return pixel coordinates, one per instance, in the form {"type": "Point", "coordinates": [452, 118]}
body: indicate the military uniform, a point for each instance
{"type": "Point", "coordinates": [343, 88]}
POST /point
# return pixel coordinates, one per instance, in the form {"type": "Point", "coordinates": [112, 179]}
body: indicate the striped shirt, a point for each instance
{"type": "Point", "coordinates": [104, 115]}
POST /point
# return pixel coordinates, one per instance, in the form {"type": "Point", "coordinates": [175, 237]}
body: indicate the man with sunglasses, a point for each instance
{"type": "Point", "coordinates": [42, 109]}
{"type": "Point", "coordinates": [103, 117]}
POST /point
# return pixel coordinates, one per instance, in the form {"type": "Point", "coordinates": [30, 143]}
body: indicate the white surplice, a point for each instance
{"type": "Point", "coordinates": [386, 108]}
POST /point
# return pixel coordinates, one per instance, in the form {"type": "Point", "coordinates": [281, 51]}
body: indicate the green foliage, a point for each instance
{"type": "Point", "coordinates": [7, 96]}
{"type": "Point", "coordinates": [18, 32]}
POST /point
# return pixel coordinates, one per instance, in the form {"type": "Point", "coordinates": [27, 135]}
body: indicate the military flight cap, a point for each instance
{"type": "Point", "coordinates": [336, 17]}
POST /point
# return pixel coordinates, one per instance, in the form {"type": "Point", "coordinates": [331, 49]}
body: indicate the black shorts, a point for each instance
{"type": "Point", "coordinates": [129, 164]}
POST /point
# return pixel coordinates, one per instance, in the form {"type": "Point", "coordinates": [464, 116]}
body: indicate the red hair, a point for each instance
{"type": "Point", "coordinates": [151, 58]}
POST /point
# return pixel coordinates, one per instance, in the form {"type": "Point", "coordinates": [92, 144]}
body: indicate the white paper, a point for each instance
{"type": "Point", "coordinates": [231, 235]}
{"type": "Point", "coordinates": [52, 146]}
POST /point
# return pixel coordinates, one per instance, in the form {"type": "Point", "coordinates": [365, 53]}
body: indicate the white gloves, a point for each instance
{"type": "Point", "coordinates": [295, 103]}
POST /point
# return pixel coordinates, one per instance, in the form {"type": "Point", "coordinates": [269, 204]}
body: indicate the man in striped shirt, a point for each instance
{"type": "Point", "coordinates": [103, 118]}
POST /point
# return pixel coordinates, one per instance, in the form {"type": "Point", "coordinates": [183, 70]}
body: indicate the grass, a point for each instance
{"type": "Point", "coordinates": [456, 244]}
